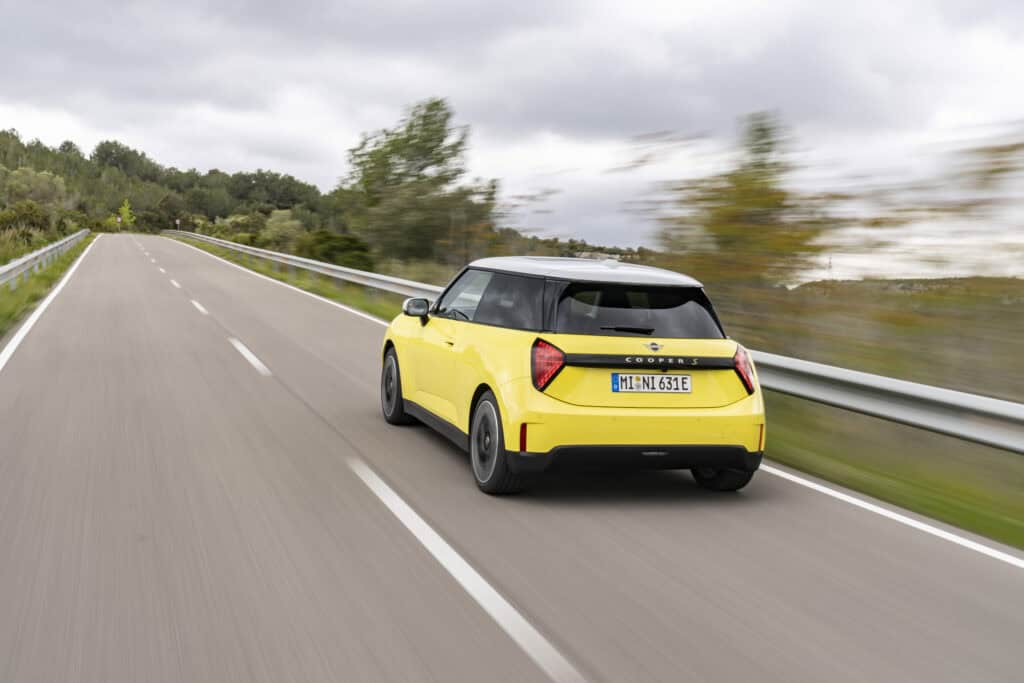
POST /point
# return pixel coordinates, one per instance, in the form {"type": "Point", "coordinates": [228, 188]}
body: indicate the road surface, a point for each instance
{"type": "Point", "coordinates": [196, 485]}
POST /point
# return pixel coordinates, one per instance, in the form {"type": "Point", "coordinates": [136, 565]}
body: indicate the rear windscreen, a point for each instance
{"type": "Point", "coordinates": [636, 311]}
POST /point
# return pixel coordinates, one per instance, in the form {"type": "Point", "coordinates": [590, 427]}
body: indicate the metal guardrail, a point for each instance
{"type": "Point", "coordinates": [21, 268]}
{"type": "Point", "coordinates": [984, 420]}
{"type": "Point", "coordinates": [396, 285]}
{"type": "Point", "coordinates": [981, 419]}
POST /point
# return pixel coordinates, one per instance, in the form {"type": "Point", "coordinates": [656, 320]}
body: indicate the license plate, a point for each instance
{"type": "Point", "coordinates": [647, 383]}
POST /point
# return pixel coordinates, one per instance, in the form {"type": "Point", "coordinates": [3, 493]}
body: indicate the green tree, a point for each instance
{"type": "Point", "coordinates": [126, 215]}
{"type": "Point", "coordinates": [127, 160]}
{"type": "Point", "coordinates": [403, 194]}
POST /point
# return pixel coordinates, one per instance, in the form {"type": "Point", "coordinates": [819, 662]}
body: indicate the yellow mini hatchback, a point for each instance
{"type": "Point", "coordinates": [534, 364]}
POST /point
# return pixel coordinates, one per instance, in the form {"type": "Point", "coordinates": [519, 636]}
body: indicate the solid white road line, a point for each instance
{"type": "Point", "coordinates": [175, 283]}
{"type": "Point", "coordinates": [249, 356]}
{"type": "Point", "coordinates": [935, 531]}
{"type": "Point", "coordinates": [199, 307]}
{"type": "Point", "coordinates": [343, 307]}
{"type": "Point", "coordinates": [163, 271]}
{"type": "Point", "coordinates": [532, 641]}
{"type": "Point", "coordinates": [16, 340]}
{"type": "Point", "coordinates": [897, 517]}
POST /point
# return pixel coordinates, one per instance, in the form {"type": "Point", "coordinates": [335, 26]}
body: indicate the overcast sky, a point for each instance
{"type": "Point", "coordinates": [554, 91]}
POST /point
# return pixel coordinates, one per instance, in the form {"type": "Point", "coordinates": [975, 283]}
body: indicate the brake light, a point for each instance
{"type": "Point", "coordinates": [546, 361]}
{"type": "Point", "coordinates": [744, 368]}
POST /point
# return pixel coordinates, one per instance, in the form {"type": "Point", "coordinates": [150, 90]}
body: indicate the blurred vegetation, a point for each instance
{"type": "Point", "coordinates": [749, 236]}
{"type": "Point", "coordinates": [744, 225]}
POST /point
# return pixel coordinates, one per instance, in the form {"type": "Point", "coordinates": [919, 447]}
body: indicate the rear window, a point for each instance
{"type": "Point", "coordinates": [636, 311]}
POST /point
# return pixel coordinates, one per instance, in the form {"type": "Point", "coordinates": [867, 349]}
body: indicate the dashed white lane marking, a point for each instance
{"type": "Point", "coordinates": [199, 307]}
{"type": "Point", "coordinates": [365, 316]}
{"type": "Point", "coordinates": [250, 356]}
{"type": "Point", "coordinates": [175, 283]}
{"type": "Point", "coordinates": [12, 345]}
{"type": "Point", "coordinates": [864, 505]}
{"type": "Point", "coordinates": [152, 260]}
{"type": "Point", "coordinates": [525, 635]}
{"type": "Point", "coordinates": [163, 271]}
{"type": "Point", "coordinates": [897, 517]}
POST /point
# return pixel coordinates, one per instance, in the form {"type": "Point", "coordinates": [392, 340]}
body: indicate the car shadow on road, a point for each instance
{"type": "Point", "coordinates": [660, 487]}
{"type": "Point", "coordinates": [650, 487]}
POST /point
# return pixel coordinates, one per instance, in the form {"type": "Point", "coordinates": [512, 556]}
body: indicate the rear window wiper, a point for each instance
{"type": "Point", "coordinates": [628, 328]}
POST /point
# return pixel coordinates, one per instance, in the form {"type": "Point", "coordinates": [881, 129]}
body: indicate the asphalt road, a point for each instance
{"type": "Point", "coordinates": [175, 506]}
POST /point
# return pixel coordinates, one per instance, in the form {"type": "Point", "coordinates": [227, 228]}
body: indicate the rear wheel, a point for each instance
{"type": "Point", "coordinates": [487, 449]}
{"type": "Point", "coordinates": [391, 402]}
{"type": "Point", "coordinates": [716, 479]}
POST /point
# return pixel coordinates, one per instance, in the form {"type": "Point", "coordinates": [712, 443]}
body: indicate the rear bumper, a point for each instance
{"type": "Point", "coordinates": [685, 435]}
{"type": "Point", "coordinates": [634, 457]}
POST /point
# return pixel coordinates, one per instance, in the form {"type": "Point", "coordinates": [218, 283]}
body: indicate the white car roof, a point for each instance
{"type": "Point", "coordinates": [585, 270]}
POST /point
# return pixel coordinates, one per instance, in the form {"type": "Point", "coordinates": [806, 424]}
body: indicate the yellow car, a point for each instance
{"type": "Point", "coordinates": [536, 363]}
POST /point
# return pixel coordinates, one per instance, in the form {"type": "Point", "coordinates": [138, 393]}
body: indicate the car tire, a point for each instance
{"type": "Point", "coordinates": [391, 401]}
{"type": "Point", "coordinates": [718, 479]}
{"type": "Point", "coordinates": [487, 449]}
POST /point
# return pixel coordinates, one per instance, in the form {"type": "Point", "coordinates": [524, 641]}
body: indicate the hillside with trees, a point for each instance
{"type": "Point", "coordinates": [405, 199]}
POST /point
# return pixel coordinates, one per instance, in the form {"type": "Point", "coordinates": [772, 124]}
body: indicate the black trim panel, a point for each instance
{"type": "Point", "coordinates": [438, 424]}
{"type": "Point", "coordinates": [600, 360]}
{"type": "Point", "coordinates": [635, 458]}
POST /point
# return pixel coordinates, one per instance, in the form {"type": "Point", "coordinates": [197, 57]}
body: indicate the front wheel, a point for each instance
{"type": "Point", "coordinates": [487, 449]}
{"type": "Point", "coordinates": [391, 402]}
{"type": "Point", "coordinates": [716, 479]}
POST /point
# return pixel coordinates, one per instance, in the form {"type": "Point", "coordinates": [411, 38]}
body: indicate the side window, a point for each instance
{"type": "Point", "coordinates": [512, 301]}
{"type": "Point", "coordinates": [462, 298]}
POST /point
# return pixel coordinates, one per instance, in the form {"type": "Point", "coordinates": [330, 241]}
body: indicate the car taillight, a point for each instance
{"type": "Point", "coordinates": [744, 368]}
{"type": "Point", "coordinates": [546, 361]}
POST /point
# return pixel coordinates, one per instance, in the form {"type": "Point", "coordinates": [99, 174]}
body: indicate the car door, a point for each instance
{"type": "Point", "coordinates": [494, 349]}
{"type": "Point", "coordinates": [435, 367]}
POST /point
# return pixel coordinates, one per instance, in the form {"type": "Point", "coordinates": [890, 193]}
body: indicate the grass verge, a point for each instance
{"type": "Point", "coordinates": [969, 486]}
{"type": "Point", "coordinates": [381, 304]}
{"type": "Point", "coordinates": [974, 487]}
{"type": "Point", "coordinates": [14, 305]}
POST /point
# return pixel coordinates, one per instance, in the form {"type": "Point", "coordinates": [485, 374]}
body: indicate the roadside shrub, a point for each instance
{"type": "Point", "coordinates": [343, 250]}
{"type": "Point", "coordinates": [11, 246]}
{"type": "Point", "coordinates": [24, 216]}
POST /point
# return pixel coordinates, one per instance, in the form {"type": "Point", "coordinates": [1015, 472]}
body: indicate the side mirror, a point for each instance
{"type": "Point", "coordinates": [418, 308]}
